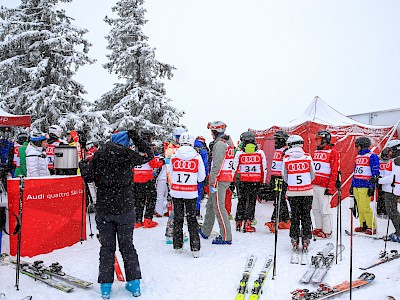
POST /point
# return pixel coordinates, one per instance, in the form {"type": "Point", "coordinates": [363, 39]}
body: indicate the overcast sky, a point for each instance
{"type": "Point", "coordinates": [258, 63]}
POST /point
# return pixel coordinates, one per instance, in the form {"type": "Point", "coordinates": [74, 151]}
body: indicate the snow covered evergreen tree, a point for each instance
{"type": "Point", "coordinates": [141, 101]}
{"type": "Point", "coordinates": [40, 51]}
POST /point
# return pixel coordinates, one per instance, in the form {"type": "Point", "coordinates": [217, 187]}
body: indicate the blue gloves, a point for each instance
{"type": "Point", "coordinates": [213, 190]}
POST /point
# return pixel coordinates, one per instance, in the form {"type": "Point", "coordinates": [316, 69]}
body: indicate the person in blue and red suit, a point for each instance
{"type": "Point", "coordinates": [326, 165]}
{"type": "Point", "coordinates": [201, 147]}
{"type": "Point", "coordinates": [365, 179]}
{"type": "Point", "coordinates": [145, 186]}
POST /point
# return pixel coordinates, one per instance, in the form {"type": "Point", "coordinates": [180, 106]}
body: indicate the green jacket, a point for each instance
{"type": "Point", "coordinates": [21, 170]}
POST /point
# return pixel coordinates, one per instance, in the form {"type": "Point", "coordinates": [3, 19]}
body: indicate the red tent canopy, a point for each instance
{"type": "Point", "coordinates": [320, 116]}
{"type": "Point", "coordinates": [9, 120]}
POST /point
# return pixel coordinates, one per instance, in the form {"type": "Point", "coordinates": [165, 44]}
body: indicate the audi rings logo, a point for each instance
{"type": "Point", "coordinates": [278, 155]}
{"type": "Point", "coordinates": [187, 165]}
{"type": "Point", "coordinates": [320, 156]}
{"type": "Point", "coordinates": [298, 167]}
{"type": "Point", "coordinates": [250, 159]}
{"type": "Point", "coordinates": [361, 161]}
{"type": "Point", "coordinates": [230, 153]}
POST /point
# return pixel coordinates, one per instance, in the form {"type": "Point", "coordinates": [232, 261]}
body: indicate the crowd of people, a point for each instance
{"type": "Point", "coordinates": [134, 178]}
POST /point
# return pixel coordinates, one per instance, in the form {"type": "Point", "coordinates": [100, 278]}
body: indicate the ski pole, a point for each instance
{"type": "Point", "coordinates": [338, 216]}
{"type": "Point", "coordinates": [351, 245]}
{"type": "Point", "coordinates": [21, 197]}
{"type": "Point", "coordinates": [278, 188]}
{"type": "Point", "coordinates": [87, 210]}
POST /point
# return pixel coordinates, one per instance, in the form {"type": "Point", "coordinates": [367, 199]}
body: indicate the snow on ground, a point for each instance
{"type": "Point", "coordinates": [216, 274]}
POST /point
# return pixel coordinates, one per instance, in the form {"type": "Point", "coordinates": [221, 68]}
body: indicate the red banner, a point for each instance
{"type": "Point", "coordinates": [53, 213]}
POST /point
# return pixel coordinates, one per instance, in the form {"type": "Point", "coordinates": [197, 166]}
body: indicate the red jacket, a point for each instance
{"type": "Point", "coordinates": [326, 165]}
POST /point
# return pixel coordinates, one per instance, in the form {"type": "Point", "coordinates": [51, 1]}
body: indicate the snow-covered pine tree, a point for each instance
{"type": "Point", "coordinates": [140, 101]}
{"type": "Point", "coordinates": [40, 51]}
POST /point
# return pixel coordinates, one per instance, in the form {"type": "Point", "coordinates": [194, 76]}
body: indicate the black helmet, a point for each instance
{"type": "Point", "coordinates": [280, 138]}
{"type": "Point", "coordinates": [363, 141]}
{"type": "Point", "coordinates": [146, 134]}
{"type": "Point", "coordinates": [325, 135]}
{"type": "Point", "coordinates": [394, 146]}
{"type": "Point", "coordinates": [22, 138]}
{"type": "Point", "coordinates": [248, 137]}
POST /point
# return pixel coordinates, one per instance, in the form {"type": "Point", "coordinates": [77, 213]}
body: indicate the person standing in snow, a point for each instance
{"type": "Point", "coordinates": [21, 160]}
{"type": "Point", "coordinates": [201, 148]}
{"type": "Point", "coordinates": [36, 159]}
{"type": "Point", "coordinates": [111, 171]}
{"type": "Point", "coordinates": [145, 186]}
{"type": "Point", "coordinates": [391, 188]}
{"type": "Point", "coordinates": [363, 185]}
{"type": "Point", "coordinates": [222, 154]}
{"type": "Point", "coordinates": [161, 183]}
{"type": "Point", "coordinates": [187, 170]}
{"type": "Point", "coordinates": [55, 132]}
{"type": "Point", "coordinates": [326, 165]}
{"type": "Point", "coordinates": [251, 165]}
{"type": "Point", "coordinates": [298, 173]}
{"type": "Point", "coordinates": [384, 162]}
{"type": "Point", "coordinates": [280, 138]}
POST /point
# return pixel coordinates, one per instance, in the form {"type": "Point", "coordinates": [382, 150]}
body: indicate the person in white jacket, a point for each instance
{"type": "Point", "coordinates": [391, 186]}
{"type": "Point", "coordinates": [186, 169]}
{"type": "Point", "coordinates": [36, 159]}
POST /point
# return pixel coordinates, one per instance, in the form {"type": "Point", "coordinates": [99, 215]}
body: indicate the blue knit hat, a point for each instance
{"type": "Point", "coordinates": [121, 138]}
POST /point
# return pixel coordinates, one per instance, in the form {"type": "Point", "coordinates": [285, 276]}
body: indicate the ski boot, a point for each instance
{"type": "Point", "coordinates": [137, 225]}
{"type": "Point", "coordinates": [105, 289]}
{"type": "Point", "coordinates": [133, 286]}
{"type": "Point", "coordinates": [323, 235]}
{"type": "Point", "coordinates": [219, 241]}
{"type": "Point", "coordinates": [149, 223]}
{"type": "Point", "coordinates": [271, 226]}
{"type": "Point", "coordinates": [316, 231]}
{"type": "Point", "coordinates": [248, 227]}
{"type": "Point", "coordinates": [284, 225]}
{"type": "Point", "coordinates": [202, 234]}
{"type": "Point", "coordinates": [239, 225]}
{"type": "Point", "coordinates": [370, 231]}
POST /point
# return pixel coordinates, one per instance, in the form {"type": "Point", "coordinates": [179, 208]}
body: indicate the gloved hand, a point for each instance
{"type": "Point", "coordinates": [328, 192]}
{"type": "Point", "coordinates": [351, 191]}
{"type": "Point", "coordinates": [232, 187]}
{"type": "Point", "coordinates": [371, 192]}
{"type": "Point", "coordinates": [213, 190]}
{"type": "Point", "coordinates": [374, 180]}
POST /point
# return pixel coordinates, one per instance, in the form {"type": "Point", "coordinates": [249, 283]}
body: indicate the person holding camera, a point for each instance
{"type": "Point", "coordinates": [111, 171]}
{"type": "Point", "coordinates": [36, 159]}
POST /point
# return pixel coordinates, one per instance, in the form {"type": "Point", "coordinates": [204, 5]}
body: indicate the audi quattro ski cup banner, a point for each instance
{"type": "Point", "coordinates": [343, 137]}
{"type": "Point", "coordinates": [52, 213]}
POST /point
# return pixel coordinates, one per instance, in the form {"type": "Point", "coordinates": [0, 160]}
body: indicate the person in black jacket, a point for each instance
{"type": "Point", "coordinates": [111, 171]}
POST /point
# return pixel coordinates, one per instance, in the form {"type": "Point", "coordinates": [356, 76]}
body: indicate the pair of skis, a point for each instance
{"type": "Point", "coordinates": [317, 262]}
{"type": "Point", "coordinates": [325, 291]}
{"type": "Point", "coordinates": [295, 259]}
{"type": "Point", "coordinates": [258, 283]}
{"type": "Point", "coordinates": [386, 257]}
{"type": "Point", "coordinates": [47, 275]}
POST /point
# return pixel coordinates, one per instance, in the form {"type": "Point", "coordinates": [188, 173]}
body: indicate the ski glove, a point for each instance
{"type": "Point", "coordinates": [213, 190]}
{"type": "Point", "coordinates": [374, 180]}
{"type": "Point", "coordinates": [371, 192]}
{"type": "Point", "coordinates": [328, 192]}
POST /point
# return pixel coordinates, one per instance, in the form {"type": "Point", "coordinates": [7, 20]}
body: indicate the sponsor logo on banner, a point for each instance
{"type": "Point", "coordinates": [298, 166]}
{"type": "Point", "coordinates": [42, 196]}
{"type": "Point", "coordinates": [320, 156]}
{"type": "Point", "coordinates": [364, 161]}
{"type": "Point", "coordinates": [3, 119]}
{"type": "Point", "coordinates": [250, 159]}
{"type": "Point", "coordinates": [184, 165]}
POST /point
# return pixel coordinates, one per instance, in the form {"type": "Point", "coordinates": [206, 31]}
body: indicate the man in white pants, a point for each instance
{"type": "Point", "coordinates": [326, 165]}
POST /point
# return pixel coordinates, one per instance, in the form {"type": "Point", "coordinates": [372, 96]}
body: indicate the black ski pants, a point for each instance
{"type": "Point", "coordinates": [283, 207]}
{"type": "Point", "coordinates": [145, 196]}
{"type": "Point", "coordinates": [380, 205]}
{"type": "Point", "coordinates": [180, 205]}
{"type": "Point", "coordinates": [301, 208]}
{"type": "Point", "coordinates": [391, 201]}
{"type": "Point", "coordinates": [247, 199]}
{"type": "Point", "coordinates": [110, 227]}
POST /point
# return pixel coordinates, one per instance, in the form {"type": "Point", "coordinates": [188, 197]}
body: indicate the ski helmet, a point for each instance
{"type": "Point", "coordinates": [89, 144]}
{"type": "Point", "coordinates": [37, 138]}
{"type": "Point", "coordinates": [186, 139]}
{"type": "Point", "coordinates": [217, 126]}
{"type": "Point", "coordinates": [201, 139]}
{"type": "Point", "coordinates": [248, 137]}
{"type": "Point", "coordinates": [146, 135]}
{"type": "Point", "coordinates": [22, 138]}
{"type": "Point", "coordinates": [295, 141]}
{"type": "Point", "coordinates": [56, 130]}
{"type": "Point", "coordinates": [394, 146]}
{"type": "Point", "coordinates": [363, 141]}
{"type": "Point", "coordinates": [176, 133]}
{"type": "Point", "coordinates": [280, 138]}
{"type": "Point", "coordinates": [325, 136]}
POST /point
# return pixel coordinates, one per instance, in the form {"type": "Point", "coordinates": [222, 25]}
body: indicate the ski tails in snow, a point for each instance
{"type": "Point", "coordinates": [259, 282]}
{"type": "Point", "coordinates": [315, 263]}
{"type": "Point", "coordinates": [243, 285]}
{"type": "Point", "coordinates": [325, 291]}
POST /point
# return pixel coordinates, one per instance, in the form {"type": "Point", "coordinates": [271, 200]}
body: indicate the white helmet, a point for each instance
{"type": "Point", "coordinates": [218, 126]}
{"type": "Point", "coordinates": [176, 133]}
{"type": "Point", "coordinates": [186, 139]}
{"type": "Point", "coordinates": [295, 141]}
{"type": "Point", "coordinates": [56, 130]}
{"type": "Point", "coordinates": [89, 144]}
{"type": "Point", "coordinates": [393, 143]}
